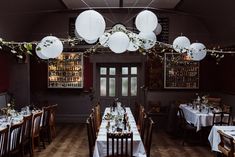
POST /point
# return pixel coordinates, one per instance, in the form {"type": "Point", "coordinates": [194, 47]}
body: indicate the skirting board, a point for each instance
{"type": "Point", "coordinates": [71, 118]}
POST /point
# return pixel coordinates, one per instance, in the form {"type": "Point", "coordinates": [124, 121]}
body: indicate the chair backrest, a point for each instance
{"type": "Point", "coordinates": [141, 117]}
{"type": "Point", "coordinates": [46, 116]}
{"type": "Point", "coordinates": [97, 116]}
{"type": "Point", "coordinates": [226, 145]}
{"type": "Point", "coordinates": [27, 127]}
{"type": "Point", "coordinates": [15, 136]}
{"type": "Point", "coordinates": [148, 137]}
{"type": "Point", "coordinates": [91, 141]}
{"type": "Point", "coordinates": [121, 144]}
{"type": "Point", "coordinates": [36, 124]}
{"type": "Point", "coordinates": [221, 118]}
{"type": "Point", "coordinates": [4, 141]}
{"type": "Point", "coordinates": [143, 125]}
{"type": "Point", "coordinates": [93, 126]}
{"type": "Point", "coordinates": [182, 120]}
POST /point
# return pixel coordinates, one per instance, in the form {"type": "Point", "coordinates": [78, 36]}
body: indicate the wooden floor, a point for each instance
{"type": "Point", "coordinates": [71, 141]}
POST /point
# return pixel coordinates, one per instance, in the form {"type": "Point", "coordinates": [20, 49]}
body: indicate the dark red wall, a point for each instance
{"type": "Point", "coordinates": [4, 72]}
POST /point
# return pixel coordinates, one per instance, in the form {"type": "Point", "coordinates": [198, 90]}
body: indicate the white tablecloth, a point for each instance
{"type": "Point", "coordinates": [197, 118]}
{"type": "Point", "coordinates": [214, 137]}
{"type": "Point", "coordinates": [101, 142]}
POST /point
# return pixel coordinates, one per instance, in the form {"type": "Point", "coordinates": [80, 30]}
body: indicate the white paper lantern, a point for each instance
{"type": "Point", "coordinates": [181, 44]}
{"type": "Point", "coordinates": [52, 47]}
{"type": "Point", "coordinates": [39, 49]}
{"type": "Point", "coordinates": [149, 40]}
{"type": "Point", "coordinates": [118, 42]}
{"type": "Point", "coordinates": [104, 39]}
{"type": "Point", "coordinates": [77, 35]}
{"type": "Point", "coordinates": [146, 21]}
{"type": "Point", "coordinates": [197, 51]}
{"type": "Point", "coordinates": [91, 41]}
{"type": "Point", "coordinates": [90, 24]}
{"type": "Point", "coordinates": [134, 42]}
{"type": "Point", "coordinates": [119, 27]}
{"type": "Point", "coordinates": [158, 30]}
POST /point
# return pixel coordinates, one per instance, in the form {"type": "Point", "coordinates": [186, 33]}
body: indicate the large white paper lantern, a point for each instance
{"type": "Point", "coordinates": [52, 47]}
{"type": "Point", "coordinates": [158, 30]}
{"type": "Point", "coordinates": [90, 41]}
{"type": "Point", "coordinates": [181, 44]}
{"type": "Point", "coordinates": [149, 39]}
{"type": "Point", "coordinates": [103, 40]}
{"type": "Point", "coordinates": [197, 51]}
{"type": "Point", "coordinates": [146, 21]}
{"type": "Point", "coordinates": [39, 49]}
{"type": "Point", "coordinates": [90, 24]}
{"type": "Point", "coordinates": [134, 42]}
{"type": "Point", "coordinates": [118, 42]}
{"type": "Point", "coordinates": [77, 35]}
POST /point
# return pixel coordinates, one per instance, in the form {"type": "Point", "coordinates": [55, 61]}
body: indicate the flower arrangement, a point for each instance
{"type": "Point", "coordinates": [8, 110]}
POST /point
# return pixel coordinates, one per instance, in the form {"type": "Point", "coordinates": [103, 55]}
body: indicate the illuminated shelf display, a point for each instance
{"type": "Point", "coordinates": [180, 73]}
{"type": "Point", "coordinates": [66, 71]}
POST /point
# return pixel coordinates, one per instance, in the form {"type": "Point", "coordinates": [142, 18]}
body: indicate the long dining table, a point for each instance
{"type": "Point", "coordinates": [100, 149]}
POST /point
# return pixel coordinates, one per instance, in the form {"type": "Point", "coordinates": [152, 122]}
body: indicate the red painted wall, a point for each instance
{"type": "Point", "coordinates": [4, 72]}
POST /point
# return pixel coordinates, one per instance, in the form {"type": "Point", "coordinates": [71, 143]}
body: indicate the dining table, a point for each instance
{"type": "Point", "coordinates": [214, 137]}
{"type": "Point", "coordinates": [199, 118]}
{"type": "Point", "coordinates": [100, 149]}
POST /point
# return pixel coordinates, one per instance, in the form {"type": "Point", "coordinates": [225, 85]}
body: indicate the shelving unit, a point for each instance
{"type": "Point", "coordinates": [180, 73]}
{"type": "Point", "coordinates": [66, 71]}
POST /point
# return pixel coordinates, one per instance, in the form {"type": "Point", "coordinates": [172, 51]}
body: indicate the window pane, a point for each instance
{"type": "Point", "coordinates": [133, 70]}
{"type": "Point", "coordinates": [103, 71]}
{"type": "Point", "coordinates": [133, 86]}
{"type": "Point", "coordinates": [124, 86]}
{"type": "Point", "coordinates": [124, 70]}
{"type": "Point", "coordinates": [102, 86]}
{"type": "Point", "coordinates": [112, 71]}
{"type": "Point", "coordinates": [111, 86]}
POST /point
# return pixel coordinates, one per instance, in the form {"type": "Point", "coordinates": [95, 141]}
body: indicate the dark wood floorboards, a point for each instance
{"type": "Point", "coordinates": [71, 141]}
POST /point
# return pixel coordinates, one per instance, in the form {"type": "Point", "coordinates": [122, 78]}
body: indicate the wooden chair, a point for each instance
{"type": "Point", "coordinates": [27, 134]}
{"type": "Point", "coordinates": [143, 126]}
{"type": "Point", "coordinates": [140, 118]}
{"type": "Point", "coordinates": [121, 144]}
{"type": "Point", "coordinates": [52, 121]}
{"type": "Point", "coordinates": [185, 127]}
{"type": "Point", "coordinates": [36, 130]}
{"type": "Point", "coordinates": [97, 116]}
{"type": "Point", "coordinates": [148, 135]}
{"type": "Point", "coordinates": [91, 140]}
{"type": "Point", "coordinates": [221, 118]}
{"type": "Point", "coordinates": [14, 144]}
{"type": "Point", "coordinates": [93, 126]}
{"type": "Point", "coordinates": [45, 128]}
{"type": "Point", "coordinates": [4, 142]}
{"type": "Point", "coordinates": [226, 145]}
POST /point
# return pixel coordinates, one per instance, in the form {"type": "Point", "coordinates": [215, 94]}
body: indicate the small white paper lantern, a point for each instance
{"type": "Point", "coordinates": [197, 51]}
{"type": "Point", "coordinates": [149, 40]}
{"type": "Point", "coordinates": [91, 41]}
{"type": "Point", "coordinates": [181, 44]}
{"type": "Point", "coordinates": [118, 42]}
{"type": "Point", "coordinates": [146, 21]}
{"type": "Point", "coordinates": [158, 30]}
{"type": "Point", "coordinates": [90, 24]}
{"type": "Point", "coordinates": [39, 49]}
{"type": "Point", "coordinates": [52, 47]}
{"type": "Point", "coordinates": [134, 42]}
{"type": "Point", "coordinates": [104, 39]}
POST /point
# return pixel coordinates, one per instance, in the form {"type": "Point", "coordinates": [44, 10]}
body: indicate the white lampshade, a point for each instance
{"type": "Point", "coordinates": [148, 38]}
{"type": "Point", "coordinates": [90, 24]}
{"type": "Point", "coordinates": [90, 41]}
{"type": "Point", "coordinates": [197, 51]}
{"type": "Point", "coordinates": [181, 44]}
{"type": "Point", "coordinates": [52, 47]}
{"type": "Point", "coordinates": [38, 50]}
{"type": "Point", "coordinates": [104, 39]}
{"type": "Point", "coordinates": [158, 30]}
{"type": "Point", "coordinates": [146, 21]}
{"type": "Point", "coordinates": [118, 42]}
{"type": "Point", "coordinates": [76, 34]}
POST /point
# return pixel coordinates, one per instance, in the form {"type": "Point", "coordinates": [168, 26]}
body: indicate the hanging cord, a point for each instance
{"type": "Point", "coordinates": [86, 4]}
{"type": "Point", "coordinates": [129, 12]}
{"type": "Point", "coordinates": [115, 18]}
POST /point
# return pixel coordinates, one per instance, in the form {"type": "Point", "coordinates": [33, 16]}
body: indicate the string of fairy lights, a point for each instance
{"type": "Point", "coordinates": [118, 39]}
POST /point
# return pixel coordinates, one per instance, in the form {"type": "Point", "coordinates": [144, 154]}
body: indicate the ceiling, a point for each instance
{"type": "Point", "coordinates": [218, 17]}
